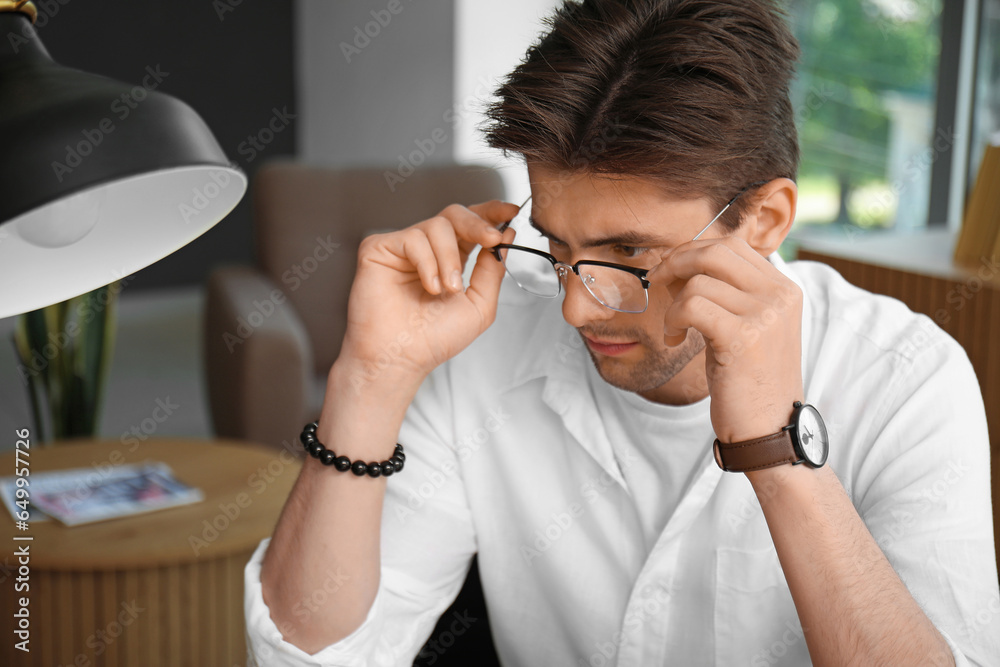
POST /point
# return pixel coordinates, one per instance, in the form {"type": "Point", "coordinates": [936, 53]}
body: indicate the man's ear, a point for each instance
{"type": "Point", "coordinates": [770, 215]}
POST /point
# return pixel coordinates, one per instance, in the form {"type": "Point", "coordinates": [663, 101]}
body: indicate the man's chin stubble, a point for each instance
{"type": "Point", "coordinates": [654, 370]}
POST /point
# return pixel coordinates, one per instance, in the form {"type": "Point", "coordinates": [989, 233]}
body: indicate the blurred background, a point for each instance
{"type": "Point", "coordinates": [896, 101]}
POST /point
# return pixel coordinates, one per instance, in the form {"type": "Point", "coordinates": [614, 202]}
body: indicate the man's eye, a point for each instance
{"type": "Point", "coordinates": [629, 250]}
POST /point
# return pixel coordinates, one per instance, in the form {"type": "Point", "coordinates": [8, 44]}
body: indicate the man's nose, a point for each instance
{"type": "Point", "coordinates": [579, 306]}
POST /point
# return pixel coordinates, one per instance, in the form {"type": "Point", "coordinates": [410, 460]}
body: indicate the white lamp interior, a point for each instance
{"type": "Point", "coordinates": [80, 243]}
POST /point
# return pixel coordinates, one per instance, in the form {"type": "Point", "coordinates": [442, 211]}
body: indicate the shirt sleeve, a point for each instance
{"type": "Point", "coordinates": [428, 541]}
{"type": "Point", "coordinates": [923, 490]}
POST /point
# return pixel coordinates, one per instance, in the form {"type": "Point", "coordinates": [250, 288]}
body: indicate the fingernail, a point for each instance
{"type": "Point", "coordinates": [436, 284]}
{"type": "Point", "coordinates": [456, 280]}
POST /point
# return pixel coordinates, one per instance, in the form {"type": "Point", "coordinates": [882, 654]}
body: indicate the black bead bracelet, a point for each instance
{"type": "Point", "coordinates": [326, 456]}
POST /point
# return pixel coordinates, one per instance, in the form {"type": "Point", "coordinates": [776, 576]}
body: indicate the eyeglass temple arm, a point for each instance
{"type": "Point", "coordinates": [731, 202]}
{"type": "Point", "coordinates": [502, 228]}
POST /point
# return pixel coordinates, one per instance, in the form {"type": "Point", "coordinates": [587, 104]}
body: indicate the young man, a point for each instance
{"type": "Point", "coordinates": [578, 445]}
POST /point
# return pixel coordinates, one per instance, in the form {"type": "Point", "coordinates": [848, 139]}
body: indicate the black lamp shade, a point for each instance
{"type": "Point", "coordinates": [98, 178]}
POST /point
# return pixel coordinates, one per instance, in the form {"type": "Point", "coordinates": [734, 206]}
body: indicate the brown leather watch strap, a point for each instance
{"type": "Point", "coordinates": [757, 454]}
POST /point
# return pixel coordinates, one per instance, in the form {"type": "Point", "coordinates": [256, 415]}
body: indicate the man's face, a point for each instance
{"type": "Point", "coordinates": [627, 221]}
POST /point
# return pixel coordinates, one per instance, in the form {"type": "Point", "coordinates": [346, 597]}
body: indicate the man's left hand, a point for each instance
{"type": "Point", "coordinates": [750, 315]}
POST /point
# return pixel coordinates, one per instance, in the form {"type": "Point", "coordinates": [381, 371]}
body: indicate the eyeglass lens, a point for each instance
{"type": "Point", "coordinates": [614, 288]}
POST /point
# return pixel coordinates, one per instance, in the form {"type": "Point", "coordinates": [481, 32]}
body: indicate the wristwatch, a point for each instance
{"type": "Point", "coordinates": [805, 440]}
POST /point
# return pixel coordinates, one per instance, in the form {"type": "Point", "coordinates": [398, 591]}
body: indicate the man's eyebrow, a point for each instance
{"type": "Point", "coordinates": [627, 238]}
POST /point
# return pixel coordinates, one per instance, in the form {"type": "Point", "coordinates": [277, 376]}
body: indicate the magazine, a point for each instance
{"type": "Point", "coordinates": [86, 495]}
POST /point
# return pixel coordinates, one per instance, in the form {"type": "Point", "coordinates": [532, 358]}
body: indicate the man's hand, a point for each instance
{"type": "Point", "coordinates": [751, 317]}
{"type": "Point", "coordinates": [405, 317]}
{"type": "Point", "coordinates": [408, 310]}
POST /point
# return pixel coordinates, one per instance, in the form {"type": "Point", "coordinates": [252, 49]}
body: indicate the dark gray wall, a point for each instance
{"type": "Point", "coordinates": [231, 60]}
{"type": "Point", "coordinates": [376, 80]}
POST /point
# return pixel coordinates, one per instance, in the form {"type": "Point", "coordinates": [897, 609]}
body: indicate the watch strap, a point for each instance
{"type": "Point", "coordinates": [757, 454]}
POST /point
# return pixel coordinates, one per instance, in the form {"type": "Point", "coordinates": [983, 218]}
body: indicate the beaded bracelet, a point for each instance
{"type": "Point", "coordinates": [343, 464]}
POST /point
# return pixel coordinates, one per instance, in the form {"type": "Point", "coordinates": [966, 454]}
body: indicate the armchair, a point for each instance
{"type": "Point", "coordinates": [273, 330]}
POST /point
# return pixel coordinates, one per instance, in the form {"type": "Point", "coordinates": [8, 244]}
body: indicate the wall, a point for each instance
{"type": "Point", "coordinates": [374, 79]}
{"type": "Point", "coordinates": [491, 38]}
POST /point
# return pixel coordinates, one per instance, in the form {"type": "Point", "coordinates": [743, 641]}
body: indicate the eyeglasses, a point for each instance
{"type": "Point", "coordinates": [616, 286]}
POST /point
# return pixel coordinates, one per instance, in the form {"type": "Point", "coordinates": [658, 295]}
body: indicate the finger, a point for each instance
{"type": "Point", "coordinates": [477, 225]}
{"type": "Point", "coordinates": [484, 284]}
{"type": "Point", "coordinates": [713, 321]}
{"type": "Point", "coordinates": [416, 248]}
{"type": "Point", "coordinates": [723, 260]}
{"type": "Point", "coordinates": [496, 212]}
{"type": "Point", "coordinates": [719, 292]}
{"type": "Point", "coordinates": [444, 244]}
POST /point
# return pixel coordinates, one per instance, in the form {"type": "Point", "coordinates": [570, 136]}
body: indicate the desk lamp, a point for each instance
{"type": "Point", "coordinates": [98, 178]}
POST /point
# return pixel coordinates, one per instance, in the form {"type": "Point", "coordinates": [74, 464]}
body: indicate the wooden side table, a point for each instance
{"type": "Point", "coordinates": [156, 589]}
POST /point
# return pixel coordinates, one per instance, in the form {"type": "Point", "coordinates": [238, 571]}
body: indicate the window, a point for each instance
{"type": "Point", "coordinates": [865, 102]}
{"type": "Point", "coordinates": [986, 113]}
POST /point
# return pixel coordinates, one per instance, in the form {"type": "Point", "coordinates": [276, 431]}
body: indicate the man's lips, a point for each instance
{"type": "Point", "coordinates": [608, 348]}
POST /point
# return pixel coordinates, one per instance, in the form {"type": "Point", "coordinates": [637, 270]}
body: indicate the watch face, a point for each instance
{"type": "Point", "coordinates": [813, 439]}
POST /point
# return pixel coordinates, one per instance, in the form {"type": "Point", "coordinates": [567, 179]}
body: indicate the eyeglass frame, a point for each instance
{"type": "Point", "coordinates": [637, 272]}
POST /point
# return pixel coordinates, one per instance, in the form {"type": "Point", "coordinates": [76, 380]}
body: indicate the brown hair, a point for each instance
{"type": "Point", "coordinates": [691, 93]}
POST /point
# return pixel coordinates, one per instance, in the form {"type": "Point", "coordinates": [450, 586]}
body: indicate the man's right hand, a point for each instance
{"type": "Point", "coordinates": [405, 317]}
{"type": "Point", "coordinates": [408, 310]}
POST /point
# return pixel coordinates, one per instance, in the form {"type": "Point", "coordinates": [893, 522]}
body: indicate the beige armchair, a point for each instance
{"type": "Point", "coordinates": [273, 330]}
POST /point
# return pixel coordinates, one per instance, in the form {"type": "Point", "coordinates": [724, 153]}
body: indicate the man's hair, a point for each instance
{"type": "Point", "coordinates": [693, 94]}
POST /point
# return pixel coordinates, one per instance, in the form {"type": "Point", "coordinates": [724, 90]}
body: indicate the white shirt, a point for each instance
{"type": "Point", "coordinates": [658, 448]}
{"type": "Point", "coordinates": [508, 456]}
